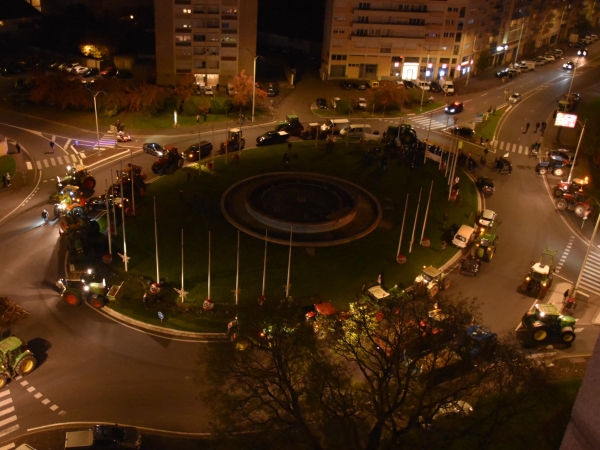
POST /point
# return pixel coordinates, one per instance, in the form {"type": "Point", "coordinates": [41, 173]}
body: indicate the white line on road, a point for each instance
{"type": "Point", "coordinates": [9, 430]}
{"type": "Point", "coordinates": [7, 410]}
{"type": "Point", "coordinates": [29, 166]}
{"type": "Point", "coordinates": [7, 420]}
{"type": "Point", "coordinates": [8, 446]}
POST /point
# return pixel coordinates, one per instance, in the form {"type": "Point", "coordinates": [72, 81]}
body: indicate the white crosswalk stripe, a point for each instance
{"type": "Point", "coordinates": [58, 161]}
{"type": "Point", "coordinates": [590, 279]}
{"type": "Point", "coordinates": [426, 122]}
{"type": "Point", "coordinates": [7, 416]}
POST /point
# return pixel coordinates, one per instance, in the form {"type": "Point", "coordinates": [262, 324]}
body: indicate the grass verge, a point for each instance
{"type": "Point", "coordinates": [8, 165]}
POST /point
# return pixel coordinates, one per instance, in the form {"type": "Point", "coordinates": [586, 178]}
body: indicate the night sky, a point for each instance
{"type": "Point", "coordinates": [293, 18]}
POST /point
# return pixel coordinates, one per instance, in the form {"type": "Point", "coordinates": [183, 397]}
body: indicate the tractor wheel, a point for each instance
{"type": "Point", "coordinates": [242, 143]}
{"type": "Point", "coordinates": [89, 183]}
{"type": "Point", "coordinates": [171, 170]}
{"type": "Point", "coordinates": [180, 163]}
{"type": "Point", "coordinates": [72, 298]}
{"type": "Point", "coordinates": [433, 291]}
{"type": "Point", "coordinates": [558, 172]}
{"type": "Point", "coordinates": [540, 333]}
{"type": "Point", "coordinates": [445, 284]}
{"type": "Point", "coordinates": [558, 192]}
{"type": "Point", "coordinates": [543, 171]}
{"type": "Point", "coordinates": [489, 255]}
{"type": "Point", "coordinates": [567, 335]}
{"type": "Point", "coordinates": [97, 301]}
{"type": "Point", "coordinates": [56, 211]}
{"type": "Point", "coordinates": [561, 204]}
{"type": "Point", "coordinates": [26, 365]}
{"type": "Point", "coordinates": [579, 210]}
{"type": "Point", "coordinates": [3, 380]}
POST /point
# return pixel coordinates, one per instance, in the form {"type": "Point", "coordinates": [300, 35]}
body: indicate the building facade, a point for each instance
{"type": "Point", "coordinates": [213, 40]}
{"type": "Point", "coordinates": [435, 39]}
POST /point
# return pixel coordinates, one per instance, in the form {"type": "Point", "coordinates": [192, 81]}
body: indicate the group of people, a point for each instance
{"type": "Point", "coordinates": [6, 179]}
{"type": "Point", "coordinates": [538, 126]}
{"type": "Point", "coordinates": [502, 163]}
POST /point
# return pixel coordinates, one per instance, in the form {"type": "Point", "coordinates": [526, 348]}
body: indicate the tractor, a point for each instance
{"type": "Point", "coordinates": [138, 185]}
{"type": "Point", "coordinates": [80, 232]}
{"type": "Point", "coordinates": [545, 321]}
{"type": "Point", "coordinates": [77, 176]}
{"type": "Point", "coordinates": [540, 277]}
{"type": "Point", "coordinates": [406, 134]}
{"type": "Point", "coordinates": [486, 245]}
{"type": "Point", "coordinates": [17, 359]}
{"type": "Point", "coordinates": [555, 166]}
{"type": "Point", "coordinates": [235, 141]}
{"type": "Point", "coordinates": [66, 198]}
{"type": "Point", "coordinates": [431, 281]}
{"type": "Point", "coordinates": [291, 125]}
{"type": "Point", "coordinates": [574, 202]}
{"type": "Point", "coordinates": [470, 266]}
{"type": "Point", "coordinates": [80, 287]}
{"type": "Point", "coordinates": [166, 164]}
{"type": "Point", "coordinates": [575, 186]}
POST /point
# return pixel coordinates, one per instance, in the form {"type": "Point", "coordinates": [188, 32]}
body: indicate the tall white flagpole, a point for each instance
{"type": "Point", "coordinates": [114, 198]}
{"type": "Point", "coordinates": [108, 220]}
{"type": "Point", "coordinates": [402, 229]}
{"type": "Point", "coordinates": [288, 286]}
{"type": "Point", "coordinates": [427, 211]}
{"type": "Point", "coordinates": [415, 225]}
{"type": "Point", "coordinates": [209, 265]}
{"type": "Point", "coordinates": [237, 273]}
{"type": "Point", "coordinates": [265, 265]}
{"type": "Point", "coordinates": [124, 256]}
{"type": "Point", "coordinates": [156, 243]}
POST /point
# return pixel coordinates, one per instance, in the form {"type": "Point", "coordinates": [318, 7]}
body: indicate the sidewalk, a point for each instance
{"type": "Point", "coordinates": [587, 310]}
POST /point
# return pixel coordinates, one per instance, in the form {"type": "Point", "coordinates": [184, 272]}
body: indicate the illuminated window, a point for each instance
{"type": "Point", "coordinates": [187, 11]}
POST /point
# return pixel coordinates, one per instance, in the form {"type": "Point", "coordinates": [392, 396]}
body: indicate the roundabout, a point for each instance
{"type": "Point", "coordinates": [320, 210]}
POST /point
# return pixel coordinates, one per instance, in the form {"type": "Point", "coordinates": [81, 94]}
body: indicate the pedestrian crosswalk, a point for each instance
{"type": "Point", "coordinates": [424, 121]}
{"type": "Point", "coordinates": [56, 161]}
{"type": "Point", "coordinates": [7, 416]}
{"type": "Point", "coordinates": [590, 279]}
{"type": "Point", "coordinates": [508, 147]}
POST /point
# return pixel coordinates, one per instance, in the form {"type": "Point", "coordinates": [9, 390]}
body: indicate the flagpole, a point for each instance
{"type": "Point", "coordinates": [209, 265]}
{"type": "Point", "coordinates": [427, 211]}
{"type": "Point", "coordinates": [265, 265]}
{"type": "Point", "coordinates": [125, 258]}
{"type": "Point", "coordinates": [182, 291]}
{"type": "Point", "coordinates": [402, 229]}
{"type": "Point", "coordinates": [108, 219]}
{"type": "Point", "coordinates": [415, 225]}
{"type": "Point", "coordinates": [237, 274]}
{"type": "Point", "coordinates": [287, 286]}
{"type": "Point", "coordinates": [156, 243]}
{"type": "Point", "coordinates": [113, 208]}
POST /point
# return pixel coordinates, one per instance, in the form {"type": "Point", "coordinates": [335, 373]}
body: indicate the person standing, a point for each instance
{"type": "Point", "coordinates": [198, 118]}
{"type": "Point", "coordinates": [509, 168]}
{"type": "Point", "coordinates": [537, 127]}
{"type": "Point", "coordinates": [52, 146]}
{"type": "Point", "coordinates": [565, 296]}
{"type": "Point", "coordinates": [527, 125]}
{"type": "Point", "coordinates": [18, 147]}
{"type": "Point", "coordinates": [7, 179]}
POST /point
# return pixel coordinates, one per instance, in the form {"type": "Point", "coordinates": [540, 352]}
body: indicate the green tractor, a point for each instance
{"type": "Point", "coordinates": [78, 176]}
{"type": "Point", "coordinates": [545, 321]}
{"type": "Point", "coordinates": [431, 281]}
{"type": "Point", "coordinates": [539, 279]}
{"type": "Point", "coordinates": [69, 196]}
{"type": "Point", "coordinates": [291, 125]}
{"type": "Point", "coordinates": [486, 246]}
{"type": "Point", "coordinates": [79, 287]}
{"type": "Point", "coordinates": [17, 360]}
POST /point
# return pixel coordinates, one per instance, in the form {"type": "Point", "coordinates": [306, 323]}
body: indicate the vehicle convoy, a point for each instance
{"type": "Point", "coordinates": [540, 276]}
{"type": "Point", "coordinates": [291, 125]}
{"type": "Point", "coordinates": [545, 321]}
{"type": "Point", "coordinates": [575, 186]}
{"type": "Point", "coordinates": [166, 164]}
{"type": "Point", "coordinates": [16, 359]}
{"type": "Point", "coordinates": [77, 176]}
{"type": "Point", "coordinates": [431, 281]}
{"type": "Point", "coordinates": [576, 203]}
{"type": "Point", "coordinates": [486, 245]}
{"type": "Point", "coordinates": [139, 182]}
{"type": "Point", "coordinates": [235, 141]}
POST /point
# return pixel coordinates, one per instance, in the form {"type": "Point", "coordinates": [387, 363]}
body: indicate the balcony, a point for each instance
{"type": "Point", "coordinates": [412, 9]}
{"type": "Point", "coordinates": [399, 21]}
{"type": "Point", "coordinates": [229, 17]}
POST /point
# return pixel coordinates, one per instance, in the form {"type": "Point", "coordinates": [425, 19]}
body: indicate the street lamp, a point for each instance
{"type": "Point", "coordinates": [577, 150]}
{"type": "Point", "coordinates": [573, 77]}
{"type": "Point", "coordinates": [423, 93]}
{"type": "Point", "coordinates": [96, 113]}
{"type": "Point", "coordinates": [587, 253]}
{"type": "Point", "coordinates": [254, 86]}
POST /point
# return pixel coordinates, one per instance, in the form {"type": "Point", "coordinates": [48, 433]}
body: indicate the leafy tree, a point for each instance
{"type": "Point", "coordinates": [372, 378]}
{"type": "Point", "coordinates": [145, 97]}
{"type": "Point", "coordinates": [242, 86]}
{"type": "Point", "coordinates": [484, 60]}
{"type": "Point", "coordinates": [387, 97]}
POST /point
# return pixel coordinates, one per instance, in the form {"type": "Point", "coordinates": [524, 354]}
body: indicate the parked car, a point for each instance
{"type": "Point", "coordinates": [321, 103]}
{"type": "Point", "coordinates": [154, 149]}
{"type": "Point", "coordinates": [272, 137]}
{"type": "Point", "coordinates": [114, 436]}
{"type": "Point", "coordinates": [345, 85]}
{"type": "Point", "coordinates": [124, 74]}
{"type": "Point", "coordinates": [514, 98]}
{"type": "Point", "coordinates": [540, 61]}
{"type": "Point", "coordinates": [109, 72]}
{"type": "Point", "coordinates": [463, 132]}
{"type": "Point", "coordinates": [360, 85]}
{"type": "Point", "coordinates": [361, 103]}
{"type": "Point", "coordinates": [485, 185]}
{"type": "Point", "coordinates": [548, 57]}
{"type": "Point", "coordinates": [569, 65]}
{"type": "Point", "coordinates": [79, 70]}
{"type": "Point", "coordinates": [408, 84]}
{"type": "Point", "coordinates": [454, 108]}
{"type": "Point", "coordinates": [90, 73]}
{"type": "Point", "coordinates": [580, 44]}
{"type": "Point", "coordinates": [487, 218]}
{"type": "Point", "coordinates": [502, 73]}
{"type": "Point", "coordinates": [435, 86]}
{"type": "Point", "coordinates": [593, 37]}
{"type": "Point", "coordinates": [192, 153]}
{"type": "Point", "coordinates": [514, 71]}
{"type": "Point", "coordinates": [272, 90]}
{"type": "Point", "coordinates": [208, 90]}
{"type": "Point", "coordinates": [557, 52]}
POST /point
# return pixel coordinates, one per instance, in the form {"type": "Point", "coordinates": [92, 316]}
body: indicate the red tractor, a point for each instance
{"type": "Point", "coordinates": [574, 202]}
{"type": "Point", "coordinates": [575, 186]}
{"type": "Point", "coordinates": [168, 163]}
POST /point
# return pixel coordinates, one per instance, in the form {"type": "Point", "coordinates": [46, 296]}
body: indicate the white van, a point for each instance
{"type": "Point", "coordinates": [334, 124]}
{"type": "Point", "coordinates": [422, 84]}
{"type": "Point", "coordinates": [463, 236]}
{"type": "Point", "coordinates": [356, 130]}
{"type": "Point", "coordinates": [449, 88]}
{"type": "Point", "coordinates": [373, 84]}
{"type": "Point", "coordinates": [527, 65]}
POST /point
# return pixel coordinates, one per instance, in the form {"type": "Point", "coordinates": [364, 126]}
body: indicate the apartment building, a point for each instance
{"type": "Point", "coordinates": [408, 39]}
{"type": "Point", "coordinates": [210, 39]}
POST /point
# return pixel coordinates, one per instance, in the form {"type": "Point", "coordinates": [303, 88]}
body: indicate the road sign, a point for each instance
{"type": "Point", "coordinates": [478, 118]}
{"type": "Point", "coordinates": [161, 316]}
{"type": "Point", "coordinates": [566, 120]}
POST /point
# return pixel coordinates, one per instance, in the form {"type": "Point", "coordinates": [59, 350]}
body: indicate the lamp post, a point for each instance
{"type": "Point", "coordinates": [577, 150]}
{"type": "Point", "coordinates": [519, 43]}
{"type": "Point", "coordinates": [587, 253]}
{"type": "Point", "coordinates": [423, 93]}
{"type": "Point", "coordinates": [254, 86]}
{"type": "Point", "coordinates": [573, 76]}
{"type": "Point", "coordinates": [95, 94]}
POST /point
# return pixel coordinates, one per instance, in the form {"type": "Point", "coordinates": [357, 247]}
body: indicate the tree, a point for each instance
{"type": "Point", "coordinates": [388, 96]}
{"type": "Point", "coordinates": [375, 380]}
{"type": "Point", "coordinates": [145, 97]}
{"type": "Point", "coordinates": [241, 85]}
{"type": "Point", "coordinates": [484, 60]}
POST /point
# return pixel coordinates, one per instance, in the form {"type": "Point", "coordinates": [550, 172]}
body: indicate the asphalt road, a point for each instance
{"type": "Point", "coordinates": [98, 370]}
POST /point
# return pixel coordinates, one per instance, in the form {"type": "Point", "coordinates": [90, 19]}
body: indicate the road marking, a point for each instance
{"type": "Point", "coordinates": [565, 254]}
{"type": "Point", "coordinates": [24, 383]}
{"type": "Point", "coordinates": [53, 162]}
{"type": "Point", "coordinates": [82, 155]}
{"type": "Point", "coordinates": [38, 395]}
{"type": "Point", "coordinates": [29, 166]}
{"type": "Point", "coordinates": [7, 410]}
{"type": "Point", "coordinates": [8, 431]}
{"type": "Point", "coordinates": [5, 393]}
{"type": "Point", "coordinates": [60, 161]}
{"type": "Point", "coordinates": [31, 389]}
{"type": "Point", "coordinates": [7, 420]}
{"type": "Point", "coordinates": [54, 407]}
{"type": "Point", "coordinates": [8, 446]}
{"type": "Point", "coordinates": [45, 401]}
{"type": "Point", "coordinates": [46, 165]}
{"type": "Point", "coordinates": [5, 402]}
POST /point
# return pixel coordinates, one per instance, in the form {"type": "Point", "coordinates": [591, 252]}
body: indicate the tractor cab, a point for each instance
{"type": "Point", "coordinates": [291, 125]}
{"type": "Point", "coordinates": [576, 185]}
{"type": "Point", "coordinates": [431, 281]}
{"type": "Point", "coordinates": [540, 276]}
